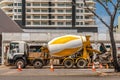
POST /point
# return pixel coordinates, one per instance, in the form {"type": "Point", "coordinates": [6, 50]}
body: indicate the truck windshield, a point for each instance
{"type": "Point", "coordinates": [14, 47]}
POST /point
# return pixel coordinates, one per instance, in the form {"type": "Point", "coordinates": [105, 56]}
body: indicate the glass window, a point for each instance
{"type": "Point", "coordinates": [44, 4]}
{"type": "Point", "coordinates": [52, 17]}
{"type": "Point", "coordinates": [68, 23]}
{"type": "Point", "coordinates": [15, 16]}
{"type": "Point", "coordinates": [53, 23]}
{"type": "Point", "coordinates": [69, 10]}
{"type": "Point", "coordinates": [36, 23]}
{"type": "Point", "coordinates": [44, 10]}
{"type": "Point", "coordinates": [28, 23]}
{"type": "Point", "coordinates": [36, 10]}
{"type": "Point", "coordinates": [68, 4]}
{"type": "Point", "coordinates": [36, 4]}
{"type": "Point", "coordinates": [77, 10]}
{"type": "Point", "coordinates": [19, 4]}
{"type": "Point", "coordinates": [28, 4]}
{"type": "Point", "coordinates": [60, 17]}
{"type": "Point", "coordinates": [28, 10]}
{"type": "Point", "coordinates": [19, 10]}
{"type": "Point", "coordinates": [19, 16]}
{"type": "Point", "coordinates": [60, 4]}
{"type": "Point", "coordinates": [15, 4]}
{"type": "Point", "coordinates": [44, 17]}
{"type": "Point", "coordinates": [36, 17]}
{"type": "Point", "coordinates": [43, 23]}
{"type": "Point", "coordinates": [77, 17]}
{"type": "Point", "coordinates": [68, 17]}
{"type": "Point", "coordinates": [81, 23]}
{"type": "Point", "coordinates": [60, 23]}
{"type": "Point", "coordinates": [81, 17]}
{"type": "Point", "coordinates": [28, 16]}
{"type": "Point", "coordinates": [14, 48]}
{"type": "Point", "coordinates": [15, 10]}
{"type": "Point", "coordinates": [77, 23]}
{"type": "Point", "coordinates": [60, 10]}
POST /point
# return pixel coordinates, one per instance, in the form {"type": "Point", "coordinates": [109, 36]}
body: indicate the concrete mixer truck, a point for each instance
{"type": "Point", "coordinates": [68, 50]}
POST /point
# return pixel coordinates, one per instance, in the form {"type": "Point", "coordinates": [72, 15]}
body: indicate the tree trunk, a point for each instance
{"type": "Point", "coordinates": [114, 51]}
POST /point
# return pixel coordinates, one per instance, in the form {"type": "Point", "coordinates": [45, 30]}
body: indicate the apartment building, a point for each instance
{"type": "Point", "coordinates": [52, 14]}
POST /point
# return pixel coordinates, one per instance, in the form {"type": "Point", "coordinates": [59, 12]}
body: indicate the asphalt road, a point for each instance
{"type": "Point", "coordinates": [59, 78]}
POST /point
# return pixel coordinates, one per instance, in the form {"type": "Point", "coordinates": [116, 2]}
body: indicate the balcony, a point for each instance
{"type": "Point", "coordinates": [6, 1]}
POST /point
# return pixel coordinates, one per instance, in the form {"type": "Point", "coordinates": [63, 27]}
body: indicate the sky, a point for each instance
{"type": "Point", "coordinates": [101, 12]}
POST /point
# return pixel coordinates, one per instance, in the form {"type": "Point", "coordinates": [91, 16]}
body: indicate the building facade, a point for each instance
{"type": "Point", "coordinates": [52, 14]}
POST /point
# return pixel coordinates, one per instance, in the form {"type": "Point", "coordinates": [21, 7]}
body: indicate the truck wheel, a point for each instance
{"type": "Point", "coordinates": [20, 62]}
{"type": "Point", "coordinates": [81, 63]}
{"type": "Point", "coordinates": [38, 64]}
{"type": "Point", "coordinates": [68, 63]}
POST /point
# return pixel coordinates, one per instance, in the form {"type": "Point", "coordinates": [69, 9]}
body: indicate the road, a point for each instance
{"type": "Point", "coordinates": [7, 73]}
{"type": "Point", "coordinates": [59, 78]}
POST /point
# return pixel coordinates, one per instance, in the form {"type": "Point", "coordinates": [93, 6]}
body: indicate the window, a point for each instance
{"type": "Point", "coordinates": [15, 16]}
{"type": "Point", "coordinates": [14, 48]}
{"type": "Point", "coordinates": [68, 4]}
{"type": "Point", "coordinates": [10, 4]}
{"type": "Point", "coordinates": [44, 17]}
{"type": "Point", "coordinates": [44, 10]}
{"type": "Point", "coordinates": [19, 10]}
{"type": "Point", "coordinates": [28, 10]}
{"type": "Point", "coordinates": [69, 10]}
{"type": "Point", "coordinates": [60, 10]}
{"type": "Point", "coordinates": [28, 23]}
{"type": "Point", "coordinates": [77, 23]}
{"type": "Point", "coordinates": [19, 16]}
{"type": "Point", "coordinates": [28, 4]}
{"type": "Point", "coordinates": [36, 23]}
{"type": "Point", "coordinates": [81, 11]}
{"type": "Point", "coordinates": [43, 23]}
{"type": "Point", "coordinates": [60, 17]}
{"type": "Point", "coordinates": [36, 17]}
{"type": "Point", "coordinates": [52, 10]}
{"type": "Point", "coordinates": [77, 10]}
{"type": "Point", "coordinates": [68, 17]}
{"type": "Point", "coordinates": [53, 23]}
{"type": "Point", "coordinates": [15, 10]}
{"type": "Point", "coordinates": [52, 17]}
{"type": "Point", "coordinates": [44, 4]}
{"type": "Point", "coordinates": [60, 23]}
{"type": "Point", "coordinates": [60, 4]}
{"type": "Point", "coordinates": [81, 23]}
{"type": "Point", "coordinates": [52, 4]}
{"type": "Point", "coordinates": [68, 23]}
{"type": "Point", "coordinates": [19, 4]}
{"type": "Point", "coordinates": [28, 16]}
{"type": "Point", "coordinates": [36, 4]}
{"type": "Point", "coordinates": [77, 17]}
{"type": "Point", "coordinates": [15, 4]}
{"type": "Point", "coordinates": [36, 10]}
{"type": "Point", "coordinates": [81, 17]}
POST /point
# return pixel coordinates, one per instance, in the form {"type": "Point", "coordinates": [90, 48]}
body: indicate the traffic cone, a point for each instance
{"type": "Point", "coordinates": [101, 66]}
{"type": "Point", "coordinates": [51, 68]}
{"type": "Point", "coordinates": [88, 65]}
{"type": "Point", "coordinates": [19, 68]}
{"type": "Point", "coordinates": [93, 67]}
{"type": "Point", "coordinates": [107, 66]}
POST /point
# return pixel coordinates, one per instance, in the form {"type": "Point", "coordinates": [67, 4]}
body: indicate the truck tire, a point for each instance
{"type": "Point", "coordinates": [20, 62]}
{"type": "Point", "coordinates": [68, 63]}
{"type": "Point", "coordinates": [81, 63]}
{"type": "Point", "coordinates": [38, 64]}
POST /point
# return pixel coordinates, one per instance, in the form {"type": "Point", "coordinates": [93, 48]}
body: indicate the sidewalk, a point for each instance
{"type": "Point", "coordinates": [6, 71]}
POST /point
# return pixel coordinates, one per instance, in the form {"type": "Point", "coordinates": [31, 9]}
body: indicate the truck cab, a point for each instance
{"type": "Point", "coordinates": [18, 52]}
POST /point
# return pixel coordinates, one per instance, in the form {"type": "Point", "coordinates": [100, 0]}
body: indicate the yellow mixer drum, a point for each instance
{"type": "Point", "coordinates": [65, 45]}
